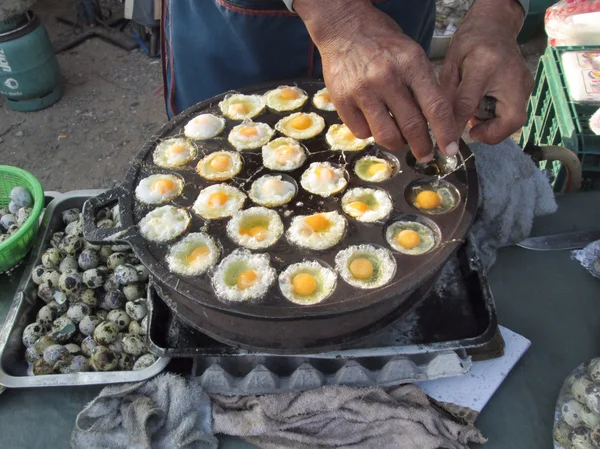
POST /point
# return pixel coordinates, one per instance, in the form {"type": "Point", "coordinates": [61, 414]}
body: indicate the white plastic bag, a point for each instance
{"type": "Point", "coordinates": [573, 22]}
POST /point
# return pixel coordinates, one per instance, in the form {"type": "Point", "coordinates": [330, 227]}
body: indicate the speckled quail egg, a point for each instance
{"type": "Point", "coordinates": [71, 244]}
{"type": "Point", "coordinates": [284, 154]}
{"type": "Point", "coordinates": [43, 342]}
{"type": "Point", "coordinates": [105, 333]}
{"type": "Point", "coordinates": [45, 291]}
{"type": "Point", "coordinates": [104, 253]}
{"type": "Point", "coordinates": [51, 258]}
{"type": "Point", "coordinates": [307, 282]}
{"type": "Point", "coordinates": [59, 308]}
{"type": "Point", "coordinates": [143, 273]}
{"type": "Point", "coordinates": [242, 107]}
{"type": "Point", "coordinates": [272, 190]}
{"type": "Point", "coordinates": [339, 137]}
{"type": "Point", "coordinates": [112, 299]}
{"type": "Point", "coordinates": [133, 345]}
{"type": "Point", "coordinates": [250, 135]}
{"type": "Point", "coordinates": [124, 362]}
{"type": "Point", "coordinates": [410, 237]}
{"type": "Point", "coordinates": [589, 419]}
{"type": "Point", "coordinates": [120, 318]}
{"type": "Point", "coordinates": [318, 231]}
{"type": "Point", "coordinates": [51, 277]}
{"type": "Point", "coordinates": [106, 223]}
{"type": "Point", "coordinates": [219, 201]}
{"type": "Point", "coordinates": [13, 207]}
{"type": "Point", "coordinates": [220, 165]}
{"type": "Point", "coordinates": [173, 153]}
{"type": "Point", "coordinates": [73, 348]}
{"type": "Point", "coordinates": [75, 228]}
{"type": "Point", "coordinates": [204, 126]}
{"type": "Point", "coordinates": [31, 356]}
{"type": "Point", "coordinates": [592, 398]}
{"type": "Point", "coordinates": [88, 245]}
{"type": "Point", "coordinates": [159, 189]}
{"type": "Point", "coordinates": [77, 311]}
{"type": "Point", "coordinates": [594, 369]}
{"type": "Point", "coordinates": [164, 223]}
{"type": "Point", "coordinates": [70, 282]}
{"type": "Point", "coordinates": [192, 256]}
{"type": "Point", "coordinates": [243, 276]}
{"type": "Point", "coordinates": [255, 228]}
{"type": "Point", "coordinates": [135, 291]}
{"type": "Point", "coordinates": [285, 98]}
{"type": "Point", "coordinates": [32, 333]}
{"type": "Point", "coordinates": [144, 325]}
{"type": "Point", "coordinates": [322, 100]}
{"type": "Point", "coordinates": [12, 229]}
{"type": "Point", "coordinates": [571, 412]}
{"type": "Point", "coordinates": [117, 345]}
{"type": "Point", "coordinates": [89, 297]}
{"type": "Point", "coordinates": [8, 220]}
{"type": "Point", "coordinates": [137, 309]}
{"type": "Point", "coordinates": [111, 283]}
{"type": "Point", "coordinates": [367, 205]}
{"type": "Point", "coordinates": [365, 266]}
{"type": "Point", "coordinates": [63, 329]}
{"type": "Point", "coordinates": [561, 433]}
{"type": "Point", "coordinates": [580, 438]}
{"type": "Point", "coordinates": [324, 179]}
{"type": "Point", "coordinates": [70, 215]}
{"type": "Point", "coordinates": [434, 198]}
{"type": "Point", "coordinates": [23, 215]}
{"type": "Point", "coordinates": [88, 324]}
{"type": "Point", "coordinates": [135, 328]}
{"type": "Point", "coordinates": [21, 196]}
{"type": "Point", "coordinates": [37, 273]}
{"type": "Point", "coordinates": [69, 263]}
{"type": "Point", "coordinates": [373, 169]}
{"type": "Point", "coordinates": [88, 259]}
{"type": "Point", "coordinates": [145, 361]}
{"type": "Point", "coordinates": [126, 274]}
{"type": "Point", "coordinates": [57, 355]}
{"type": "Point", "coordinates": [41, 368]}
{"type": "Point", "coordinates": [579, 386]}
{"type": "Point", "coordinates": [87, 346]}
{"type": "Point", "coordinates": [94, 278]}
{"type": "Point", "coordinates": [115, 259]}
{"type": "Point", "coordinates": [78, 364]}
{"type": "Point", "coordinates": [301, 125]}
{"type": "Point", "coordinates": [46, 315]}
{"type": "Point", "coordinates": [103, 359]}
{"type": "Point", "coordinates": [102, 314]}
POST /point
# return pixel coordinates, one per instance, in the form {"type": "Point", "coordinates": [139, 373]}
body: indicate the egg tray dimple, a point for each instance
{"type": "Point", "coordinates": [411, 270]}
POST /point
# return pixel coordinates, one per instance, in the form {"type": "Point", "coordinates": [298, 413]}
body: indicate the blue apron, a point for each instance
{"type": "Point", "coordinates": [212, 46]}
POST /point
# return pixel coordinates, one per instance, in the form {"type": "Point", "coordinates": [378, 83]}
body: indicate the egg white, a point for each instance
{"type": "Point", "coordinates": [384, 265]}
{"type": "Point", "coordinates": [322, 104]}
{"type": "Point", "coordinates": [204, 126]}
{"type": "Point", "coordinates": [241, 142]}
{"type": "Point", "coordinates": [380, 197]}
{"type": "Point", "coordinates": [146, 194]}
{"type": "Point", "coordinates": [261, 194]}
{"type": "Point", "coordinates": [238, 261]}
{"type": "Point", "coordinates": [426, 235]}
{"type": "Point", "coordinates": [270, 159]}
{"type": "Point", "coordinates": [362, 169]}
{"type": "Point", "coordinates": [240, 219]}
{"type": "Point", "coordinates": [164, 223]}
{"type": "Point", "coordinates": [325, 277]}
{"type": "Point", "coordinates": [207, 172]}
{"type": "Point", "coordinates": [275, 102]}
{"type": "Point", "coordinates": [178, 254]}
{"type": "Point", "coordinates": [301, 234]}
{"type": "Point", "coordinates": [255, 104]}
{"type": "Point", "coordinates": [311, 182]}
{"type": "Point", "coordinates": [317, 126]}
{"type": "Point", "coordinates": [337, 140]}
{"type": "Point", "coordinates": [235, 202]}
{"type": "Point", "coordinates": [164, 157]}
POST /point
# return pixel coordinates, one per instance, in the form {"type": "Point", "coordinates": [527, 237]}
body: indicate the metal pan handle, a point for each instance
{"type": "Point", "coordinates": [94, 234]}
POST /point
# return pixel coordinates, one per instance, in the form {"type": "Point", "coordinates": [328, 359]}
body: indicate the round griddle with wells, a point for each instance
{"type": "Point", "coordinates": [274, 323]}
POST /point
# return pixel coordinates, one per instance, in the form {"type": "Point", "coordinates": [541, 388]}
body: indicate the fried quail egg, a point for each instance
{"type": "Point", "coordinates": [318, 231]}
{"type": "Point", "coordinates": [283, 154]}
{"type": "Point", "coordinates": [193, 255]}
{"type": "Point", "coordinates": [285, 98]}
{"type": "Point", "coordinates": [373, 169]}
{"type": "Point", "coordinates": [173, 153]}
{"type": "Point", "coordinates": [219, 201]}
{"type": "Point", "coordinates": [433, 199]}
{"type": "Point", "coordinates": [220, 165]}
{"type": "Point", "coordinates": [410, 237]}
{"type": "Point", "coordinates": [324, 179]}
{"type": "Point", "coordinates": [272, 191]}
{"type": "Point", "coordinates": [301, 125]}
{"type": "Point", "coordinates": [204, 126]}
{"type": "Point", "coordinates": [243, 276]}
{"type": "Point", "coordinates": [250, 135]}
{"type": "Point", "coordinates": [242, 107]}
{"type": "Point", "coordinates": [307, 282]}
{"type": "Point", "coordinates": [339, 137]}
{"type": "Point", "coordinates": [322, 100]}
{"type": "Point", "coordinates": [367, 205]}
{"type": "Point", "coordinates": [255, 228]}
{"type": "Point", "coordinates": [164, 223]}
{"type": "Point", "coordinates": [365, 266]}
{"type": "Point", "coordinates": [158, 189]}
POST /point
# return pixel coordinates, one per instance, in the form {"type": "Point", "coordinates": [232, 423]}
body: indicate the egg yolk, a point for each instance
{"type": "Point", "coordinates": [246, 279]}
{"type": "Point", "coordinates": [244, 231]}
{"type": "Point", "coordinates": [325, 174]}
{"type": "Point", "coordinates": [177, 149]}
{"type": "Point", "coordinates": [220, 163]}
{"type": "Point", "coordinates": [326, 98]}
{"type": "Point", "coordinates": [376, 168]}
{"type": "Point", "coordinates": [288, 94]}
{"type": "Point", "coordinates": [249, 131]}
{"type": "Point", "coordinates": [238, 108]}
{"type": "Point", "coordinates": [163, 186]}
{"type": "Point", "coordinates": [198, 254]}
{"type": "Point", "coordinates": [346, 134]}
{"type": "Point", "coordinates": [304, 284]}
{"type": "Point", "coordinates": [361, 268]}
{"type": "Point", "coordinates": [408, 238]}
{"type": "Point", "coordinates": [357, 208]}
{"type": "Point", "coordinates": [217, 199]}
{"type": "Point", "coordinates": [301, 122]}
{"type": "Point", "coordinates": [284, 153]}
{"type": "Point", "coordinates": [273, 186]}
{"type": "Point", "coordinates": [317, 222]}
{"type": "Point", "coordinates": [258, 232]}
{"type": "Point", "coordinates": [427, 199]}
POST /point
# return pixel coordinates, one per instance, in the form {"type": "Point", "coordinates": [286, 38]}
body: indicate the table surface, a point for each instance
{"type": "Point", "coordinates": [543, 295]}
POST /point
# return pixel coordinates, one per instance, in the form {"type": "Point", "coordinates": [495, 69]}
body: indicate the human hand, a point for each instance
{"type": "Point", "coordinates": [380, 80]}
{"type": "Point", "coordinates": [484, 60]}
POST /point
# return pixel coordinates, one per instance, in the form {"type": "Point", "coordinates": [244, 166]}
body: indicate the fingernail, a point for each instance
{"type": "Point", "coordinates": [452, 149]}
{"type": "Point", "coordinates": [425, 159]}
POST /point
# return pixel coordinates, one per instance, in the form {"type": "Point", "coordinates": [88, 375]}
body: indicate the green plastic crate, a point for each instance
{"type": "Point", "coordinates": [553, 119]}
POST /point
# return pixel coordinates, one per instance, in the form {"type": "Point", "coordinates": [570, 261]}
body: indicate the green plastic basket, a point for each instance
{"type": "Point", "coordinates": [13, 250]}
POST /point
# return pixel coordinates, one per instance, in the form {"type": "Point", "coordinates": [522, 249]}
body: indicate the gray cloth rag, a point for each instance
{"type": "Point", "coordinates": [343, 417]}
{"type": "Point", "coordinates": [164, 413]}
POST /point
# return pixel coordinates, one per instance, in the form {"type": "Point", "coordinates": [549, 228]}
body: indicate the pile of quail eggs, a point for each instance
{"type": "Point", "coordinates": [578, 409]}
{"type": "Point", "coordinates": [17, 212]}
{"type": "Point", "coordinates": [95, 312]}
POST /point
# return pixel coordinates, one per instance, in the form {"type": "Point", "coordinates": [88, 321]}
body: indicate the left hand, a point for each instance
{"type": "Point", "coordinates": [484, 59]}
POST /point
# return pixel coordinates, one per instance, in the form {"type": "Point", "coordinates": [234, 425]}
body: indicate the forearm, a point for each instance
{"type": "Point", "coordinates": [507, 13]}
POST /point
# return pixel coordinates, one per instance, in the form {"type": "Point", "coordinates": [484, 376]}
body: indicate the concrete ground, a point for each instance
{"type": "Point", "coordinates": [112, 103]}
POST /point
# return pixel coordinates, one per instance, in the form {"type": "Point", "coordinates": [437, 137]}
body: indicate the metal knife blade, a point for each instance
{"type": "Point", "coordinates": [567, 240]}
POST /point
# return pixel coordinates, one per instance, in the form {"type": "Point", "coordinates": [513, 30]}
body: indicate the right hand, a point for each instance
{"type": "Point", "coordinates": [380, 80]}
